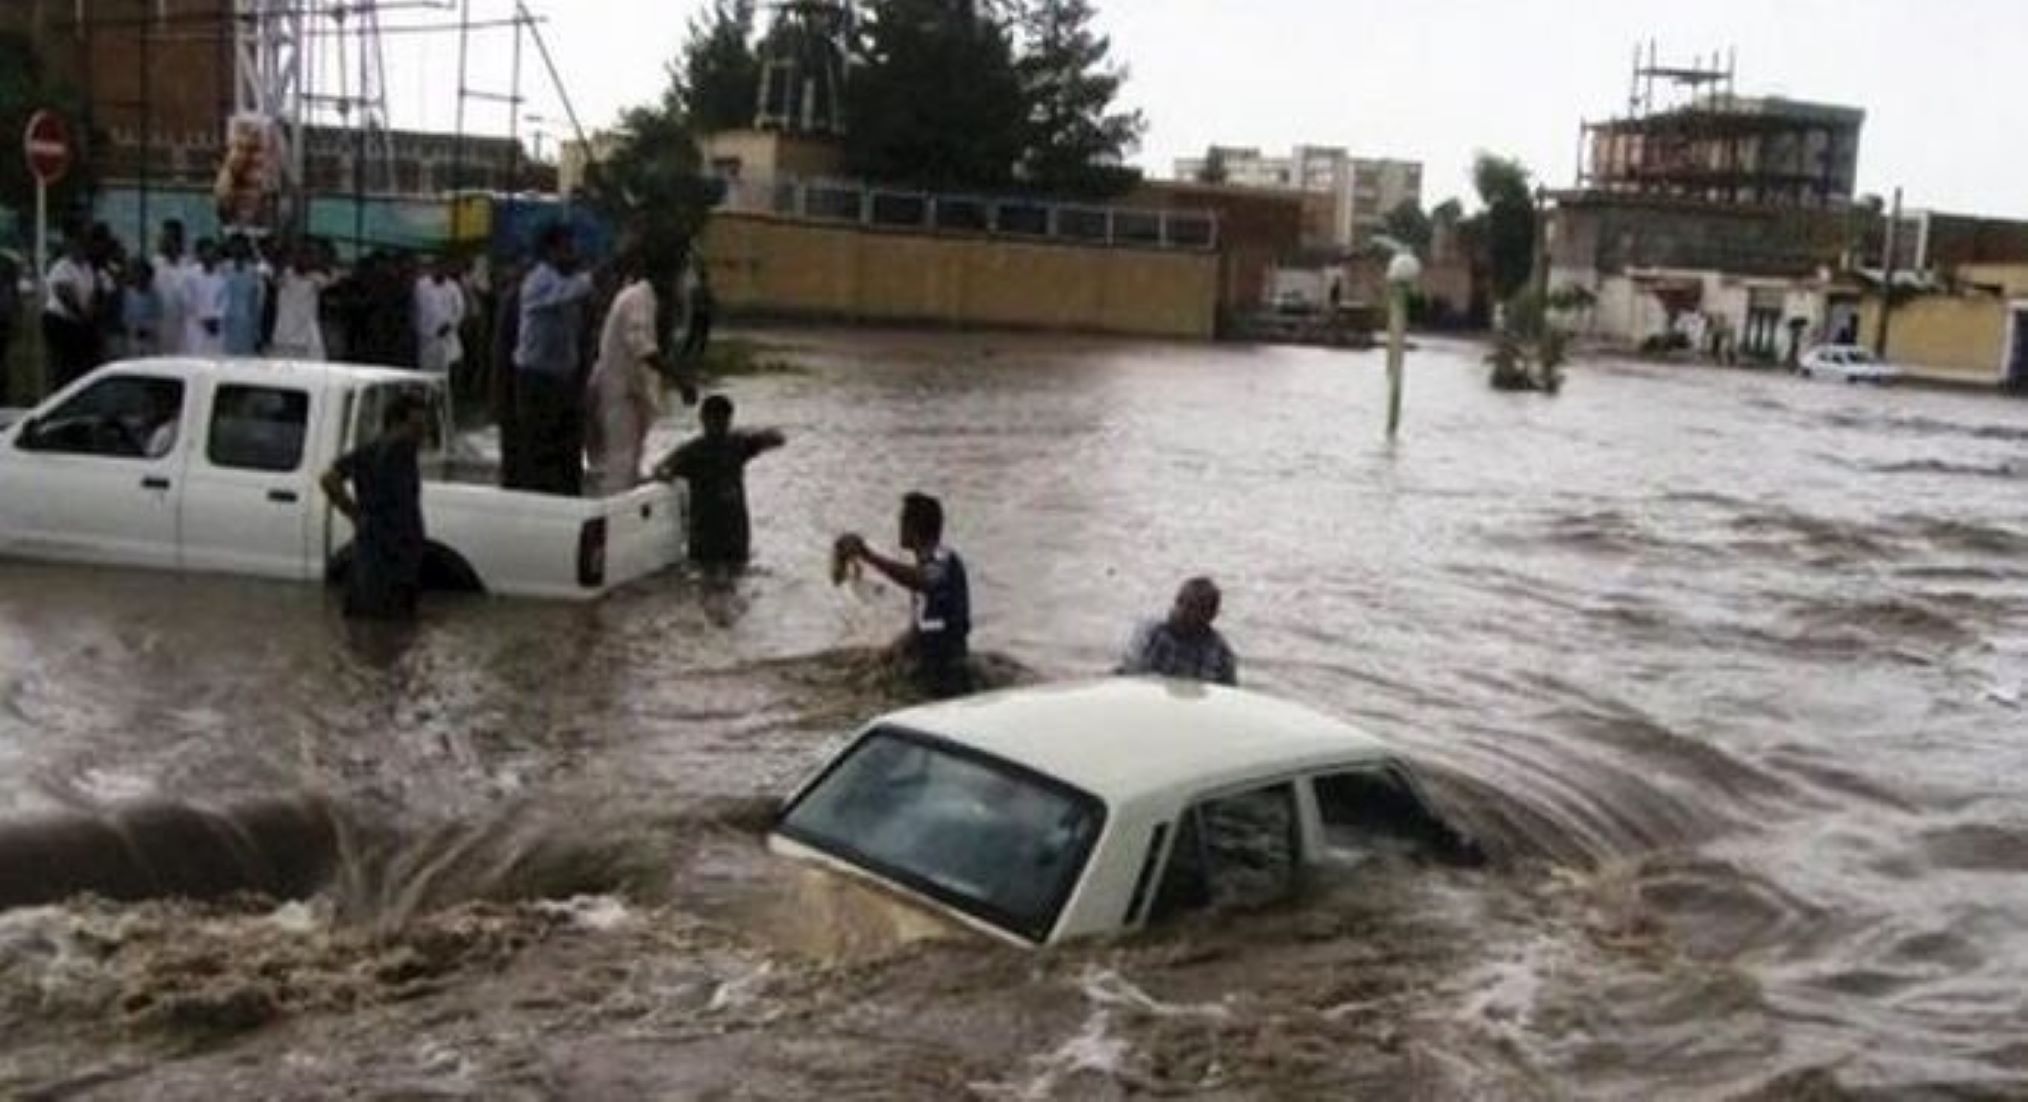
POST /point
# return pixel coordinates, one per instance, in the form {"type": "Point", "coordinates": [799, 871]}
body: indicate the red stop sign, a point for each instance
{"type": "Point", "coordinates": [47, 144]}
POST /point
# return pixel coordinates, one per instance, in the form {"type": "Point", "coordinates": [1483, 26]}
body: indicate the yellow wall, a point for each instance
{"type": "Point", "coordinates": [1948, 334]}
{"type": "Point", "coordinates": [767, 265]}
{"type": "Point", "coordinates": [2012, 279]}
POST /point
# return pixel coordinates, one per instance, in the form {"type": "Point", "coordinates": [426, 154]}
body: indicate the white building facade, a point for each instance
{"type": "Point", "coordinates": [1364, 190]}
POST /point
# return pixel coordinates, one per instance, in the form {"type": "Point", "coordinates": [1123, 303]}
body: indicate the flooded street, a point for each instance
{"type": "Point", "coordinates": [1727, 669]}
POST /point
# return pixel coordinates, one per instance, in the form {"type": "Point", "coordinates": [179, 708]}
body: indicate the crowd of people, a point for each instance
{"type": "Point", "coordinates": [574, 404]}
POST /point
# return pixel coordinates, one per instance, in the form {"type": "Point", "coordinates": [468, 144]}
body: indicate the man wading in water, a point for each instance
{"type": "Point", "coordinates": [942, 620]}
{"type": "Point", "coordinates": [384, 504]}
{"type": "Point", "coordinates": [1185, 644]}
{"type": "Point", "coordinates": [714, 466]}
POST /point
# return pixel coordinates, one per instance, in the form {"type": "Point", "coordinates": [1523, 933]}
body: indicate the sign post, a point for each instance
{"type": "Point", "coordinates": [48, 149]}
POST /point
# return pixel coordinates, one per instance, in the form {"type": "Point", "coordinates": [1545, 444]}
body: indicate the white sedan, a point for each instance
{"type": "Point", "coordinates": [1046, 814]}
{"type": "Point", "coordinates": [1849, 362]}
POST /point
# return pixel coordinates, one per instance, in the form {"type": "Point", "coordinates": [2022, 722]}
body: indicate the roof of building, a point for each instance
{"type": "Point", "coordinates": [1127, 737]}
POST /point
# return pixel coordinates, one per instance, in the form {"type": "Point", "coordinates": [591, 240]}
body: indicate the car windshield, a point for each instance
{"type": "Point", "coordinates": [992, 839]}
{"type": "Point", "coordinates": [1858, 356]}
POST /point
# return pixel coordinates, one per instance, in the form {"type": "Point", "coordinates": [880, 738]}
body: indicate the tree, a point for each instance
{"type": "Point", "coordinates": [652, 185]}
{"type": "Point", "coordinates": [718, 81]}
{"type": "Point", "coordinates": [1214, 170]}
{"type": "Point", "coordinates": [1407, 224]}
{"type": "Point", "coordinates": [1076, 142]}
{"type": "Point", "coordinates": [935, 99]}
{"type": "Point", "coordinates": [1502, 184]}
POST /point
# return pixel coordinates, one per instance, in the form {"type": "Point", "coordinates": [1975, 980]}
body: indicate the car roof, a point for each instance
{"type": "Point", "coordinates": [301, 372]}
{"type": "Point", "coordinates": [1125, 738]}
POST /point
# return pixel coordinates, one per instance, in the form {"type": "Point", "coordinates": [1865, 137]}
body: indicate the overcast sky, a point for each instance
{"type": "Point", "coordinates": [1942, 81]}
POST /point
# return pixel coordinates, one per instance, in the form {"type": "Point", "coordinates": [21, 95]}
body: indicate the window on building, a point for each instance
{"type": "Point", "coordinates": [257, 428]}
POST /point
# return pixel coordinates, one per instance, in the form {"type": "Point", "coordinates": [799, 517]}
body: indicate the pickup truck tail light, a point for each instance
{"type": "Point", "coordinates": [591, 553]}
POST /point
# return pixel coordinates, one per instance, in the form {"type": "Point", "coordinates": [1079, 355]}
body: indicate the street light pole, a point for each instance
{"type": "Point", "coordinates": [1403, 272]}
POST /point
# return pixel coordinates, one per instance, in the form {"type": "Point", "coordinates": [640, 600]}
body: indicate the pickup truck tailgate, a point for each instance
{"type": "Point", "coordinates": [644, 532]}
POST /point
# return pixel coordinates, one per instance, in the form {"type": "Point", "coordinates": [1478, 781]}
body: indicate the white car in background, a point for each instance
{"type": "Point", "coordinates": [1849, 362]}
{"type": "Point", "coordinates": [1041, 815]}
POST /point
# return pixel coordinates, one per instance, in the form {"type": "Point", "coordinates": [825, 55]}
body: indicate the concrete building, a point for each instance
{"type": "Point", "coordinates": [1723, 220]}
{"type": "Point", "coordinates": [1362, 190]}
{"type": "Point", "coordinates": [1731, 149]}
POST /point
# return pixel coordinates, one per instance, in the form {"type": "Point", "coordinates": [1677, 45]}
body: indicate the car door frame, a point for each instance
{"type": "Point", "coordinates": [260, 492]}
{"type": "Point", "coordinates": [158, 480]}
{"type": "Point", "coordinates": [1167, 830]}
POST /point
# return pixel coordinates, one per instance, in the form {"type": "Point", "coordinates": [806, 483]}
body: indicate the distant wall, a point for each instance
{"type": "Point", "coordinates": [1955, 334]}
{"type": "Point", "coordinates": [769, 266]}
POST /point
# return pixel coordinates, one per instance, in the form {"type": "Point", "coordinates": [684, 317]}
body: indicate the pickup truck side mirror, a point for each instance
{"type": "Point", "coordinates": [29, 438]}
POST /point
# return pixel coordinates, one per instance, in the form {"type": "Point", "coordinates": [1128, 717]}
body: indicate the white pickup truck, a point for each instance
{"type": "Point", "coordinates": [212, 465]}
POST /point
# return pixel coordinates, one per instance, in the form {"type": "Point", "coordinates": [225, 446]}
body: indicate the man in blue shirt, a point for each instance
{"type": "Point", "coordinates": [245, 299]}
{"type": "Point", "coordinates": [1185, 644]}
{"type": "Point", "coordinates": [941, 624]}
{"type": "Point", "coordinates": [549, 346]}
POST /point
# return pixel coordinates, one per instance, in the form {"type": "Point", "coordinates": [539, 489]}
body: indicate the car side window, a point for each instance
{"type": "Point", "coordinates": [371, 411]}
{"type": "Point", "coordinates": [257, 428]}
{"type": "Point", "coordinates": [121, 417]}
{"type": "Point", "coordinates": [1241, 851]}
{"type": "Point", "coordinates": [1364, 809]}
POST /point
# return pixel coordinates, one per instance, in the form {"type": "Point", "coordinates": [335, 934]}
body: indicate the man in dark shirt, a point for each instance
{"type": "Point", "coordinates": [714, 466]}
{"type": "Point", "coordinates": [1185, 645]}
{"type": "Point", "coordinates": [384, 503]}
{"type": "Point", "coordinates": [941, 626]}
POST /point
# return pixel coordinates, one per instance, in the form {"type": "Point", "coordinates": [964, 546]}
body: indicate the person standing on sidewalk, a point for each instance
{"type": "Point", "coordinates": [173, 269]}
{"type": "Point", "coordinates": [67, 313]}
{"type": "Point", "coordinates": [299, 303]}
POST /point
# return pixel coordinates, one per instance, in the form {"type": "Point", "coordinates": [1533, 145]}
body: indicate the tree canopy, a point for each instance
{"type": "Point", "coordinates": [719, 73]}
{"type": "Point", "coordinates": [934, 97]}
{"type": "Point", "coordinates": [1213, 170]}
{"type": "Point", "coordinates": [1407, 224]}
{"type": "Point", "coordinates": [1509, 232]}
{"type": "Point", "coordinates": [1077, 141]}
{"type": "Point", "coordinates": [949, 95]}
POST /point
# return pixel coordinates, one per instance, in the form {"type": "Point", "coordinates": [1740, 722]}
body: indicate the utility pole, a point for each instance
{"type": "Point", "coordinates": [1887, 276]}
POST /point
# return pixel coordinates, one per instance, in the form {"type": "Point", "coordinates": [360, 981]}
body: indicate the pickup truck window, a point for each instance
{"type": "Point", "coordinates": [118, 417]}
{"type": "Point", "coordinates": [1232, 851]}
{"type": "Point", "coordinates": [258, 428]}
{"type": "Point", "coordinates": [371, 412]}
{"type": "Point", "coordinates": [985, 836]}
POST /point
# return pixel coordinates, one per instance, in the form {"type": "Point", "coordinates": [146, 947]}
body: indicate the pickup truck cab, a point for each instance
{"type": "Point", "coordinates": [1042, 815]}
{"type": "Point", "coordinates": [212, 465]}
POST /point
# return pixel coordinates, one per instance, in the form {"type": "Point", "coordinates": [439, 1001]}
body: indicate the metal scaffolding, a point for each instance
{"type": "Point", "coordinates": [1701, 141]}
{"type": "Point", "coordinates": [317, 69]}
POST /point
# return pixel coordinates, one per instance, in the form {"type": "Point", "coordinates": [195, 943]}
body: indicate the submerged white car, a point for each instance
{"type": "Point", "coordinates": [1849, 362]}
{"type": "Point", "coordinates": [1041, 815]}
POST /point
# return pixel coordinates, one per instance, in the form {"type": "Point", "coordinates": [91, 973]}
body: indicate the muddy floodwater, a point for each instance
{"type": "Point", "coordinates": [1726, 668]}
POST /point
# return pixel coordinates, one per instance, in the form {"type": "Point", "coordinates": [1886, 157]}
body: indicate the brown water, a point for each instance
{"type": "Point", "coordinates": [1727, 667]}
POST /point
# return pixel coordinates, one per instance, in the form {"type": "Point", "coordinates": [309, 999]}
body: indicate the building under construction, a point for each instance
{"type": "Point", "coordinates": [1707, 143]}
{"type": "Point", "coordinates": [161, 83]}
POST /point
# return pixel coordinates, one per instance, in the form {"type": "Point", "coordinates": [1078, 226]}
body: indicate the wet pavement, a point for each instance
{"type": "Point", "coordinates": [1727, 667]}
